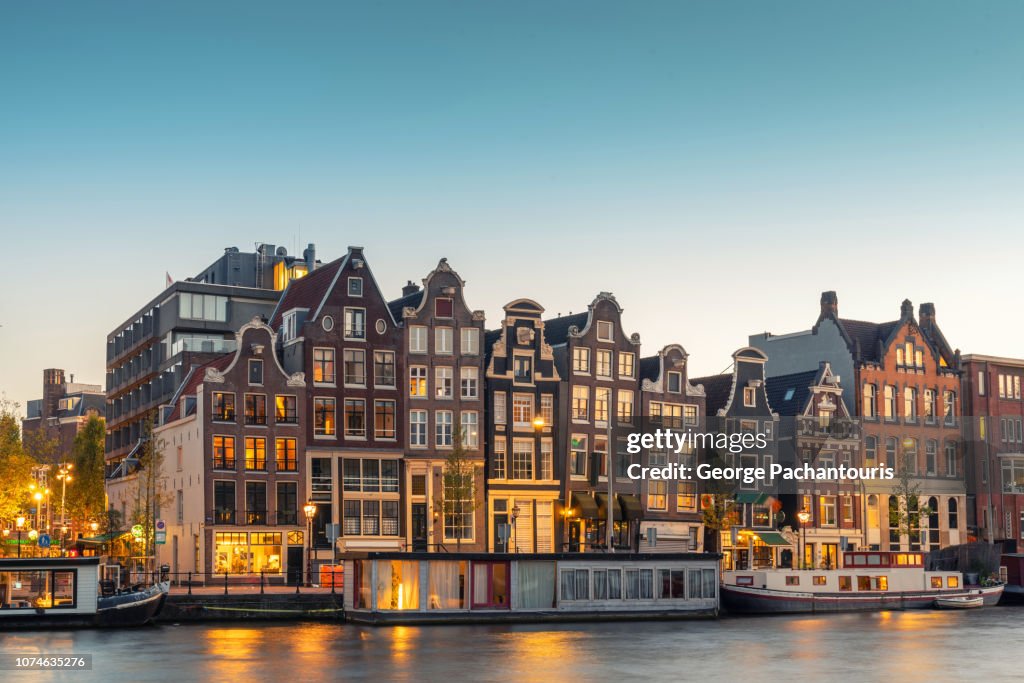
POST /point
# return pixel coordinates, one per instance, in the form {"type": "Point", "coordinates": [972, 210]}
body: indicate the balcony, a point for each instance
{"type": "Point", "coordinates": [203, 346]}
{"type": "Point", "coordinates": [223, 516]}
{"type": "Point", "coordinates": [256, 517]}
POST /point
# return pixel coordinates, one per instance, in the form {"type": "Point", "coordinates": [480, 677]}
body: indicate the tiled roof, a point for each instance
{"type": "Point", "coordinates": [397, 305]}
{"type": "Point", "coordinates": [787, 394]}
{"type": "Point", "coordinates": [867, 336]}
{"type": "Point", "coordinates": [306, 292]}
{"type": "Point", "coordinates": [194, 379]}
{"type": "Point", "coordinates": [556, 330]}
{"type": "Point", "coordinates": [650, 367]}
{"type": "Point", "coordinates": [717, 388]}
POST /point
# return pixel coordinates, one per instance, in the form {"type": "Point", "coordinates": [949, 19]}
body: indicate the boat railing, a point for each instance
{"type": "Point", "coordinates": [325, 579]}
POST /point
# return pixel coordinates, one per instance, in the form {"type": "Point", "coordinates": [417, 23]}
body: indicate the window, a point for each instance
{"type": "Point", "coordinates": [657, 494]}
{"type": "Point", "coordinates": [624, 405]}
{"type": "Point", "coordinates": [323, 366]}
{"type": "Point", "coordinates": [351, 518]}
{"type": "Point", "coordinates": [417, 339]}
{"type": "Point", "coordinates": [498, 461]}
{"type": "Point", "coordinates": [910, 455]}
{"type": "Point", "coordinates": [828, 510]}
{"type": "Point", "coordinates": [605, 331]}
{"type": "Point", "coordinates": [819, 580]}
{"type": "Point", "coordinates": [847, 509]}
{"type": "Point", "coordinates": [443, 382]}
{"type": "Point", "coordinates": [675, 382]}
{"type": "Point", "coordinates": [749, 397]}
{"type": "Point", "coordinates": [929, 405]}
{"type": "Point", "coordinates": [522, 410]}
{"type": "Point", "coordinates": [287, 502]}
{"type": "Point", "coordinates": [580, 403]}
{"type": "Point", "coordinates": [417, 381]}
{"type": "Point", "coordinates": [604, 363]}
{"type": "Point", "coordinates": [626, 363]}
{"type": "Point", "coordinates": [686, 498]}
{"type": "Point", "coordinates": [418, 428]}
{"type": "Point", "coordinates": [224, 452]}
{"type": "Point", "coordinates": [458, 518]}
{"type": "Point", "coordinates": [323, 417]}
{"type": "Point", "coordinates": [255, 409]}
{"type": "Point", "coordinates": [578, 455]}
{"type": "Point", "coordinates": [285, 454]}
{"type": "Point", "coordinates": [255, 502]}
{"type": "Point", "coordinates": [931, 453]}
{"type": "Point", "coordinates": [500, 409]}
{"type": "Point", "coordinates": [384, 419]}
{"type": "Point", "coordinates": [547, 409]}
{"type": "Point", "coordinates": [546, 460]}
{"type": "Point", "coordinates": [602, 397]}
{"type": "Point", "coordinates": [469, 341]}
{"type": "Point", "coordinates": [470, 429]}
{"type": "Point", "coordinates": [949, 406]}
{"type": "Point", "coordinates": [355, 367]}
{"type": "Point", "coordinates": [889, 402]}
{"type": "Point", "coordinates": [355, 323]}
{"type": "Point", "coordinates": [355, 417]}
{"type": "Point", "coordinates": [581, 359]}
{"type": "Point", "coordinates": [255, 371]}
{"type": "Point", "coordinates": [202, 307]}
{"type": "Point", "coordinates": [869, 408]}
{"type": "Point", "coordinates": [443, 307]}
{"type": "Point", "coordinates": [371, 518]}
{"type": "Point", "coordinates": [286, 410]}
{"type": "Point", "coordinates": [443, 340]}
{"type": "Point", "coordinates": [469, 383]}
{"type": "Point", "coordinates": [910, 403]}
{"type": "Point", "coordinates": [224, 502]}
{"type": "Point", "coordinates": [255, 453]}
{"type": "Point", "coordinates": [384, 368]}
{"type": "Point", "coordinates": [223, 406]}
{"type": "Point", "coordinates": [355, 286]}
{"type": "Point", "coordinates": [443, 428]}
{"type": "Point", "coordinates": [870, 450]}
{"type": "Point", "coordinates": [951, 468]}
{"type": "Point", "coordinates": [522, 458]}
{"type": "Point", "coordinates": [890, 452]}
{"type": "Point", "coordinates": [951, 507]}
{"type": "Point", "coordinates": [522, 369]}
{"type": "Point", "coordinates": [180, 495]}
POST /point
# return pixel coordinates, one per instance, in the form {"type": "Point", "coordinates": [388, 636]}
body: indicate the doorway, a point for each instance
{"type": "Point", "coordinates": [419, 527]}
{"type": "Point", "coordinates": [490, 585]}
{"type": "Point", "coordinates": [295, 565]}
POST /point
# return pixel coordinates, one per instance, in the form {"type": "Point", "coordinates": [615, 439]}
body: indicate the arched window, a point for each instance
{"type": "Point", "coordinates": [871, 450]}
{"type": "Point", "coordinates": [889, 401]}
{"type": "Point", "coordinates": [931, 456]}
{"type": "Point", "coordinates": [933, 523]}
{"type": "Point", "coordinates": [949, 407]}
{"type": "Point", "coordinates": [890, 452]}
{"type": "Point", "coordinates": [869, 407]}
{"type": "Point", "coordinates": [873, 512]}
{"type": "Point", "coordinates": [899, 356]}
{"type": "Point", "coordinates": [910, 403]}
{"type": "Point", "coordinates": [910, 455]}
{"type": "Point", "coordinates": [951, 468]}
{"type": "Point", "coordinates": [894, 522]}
{"type": "Point", "coordinates": [953, 516]}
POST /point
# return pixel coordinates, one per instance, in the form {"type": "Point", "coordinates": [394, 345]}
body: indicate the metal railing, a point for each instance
{"type": "Point", "coordinates": [239, 583]}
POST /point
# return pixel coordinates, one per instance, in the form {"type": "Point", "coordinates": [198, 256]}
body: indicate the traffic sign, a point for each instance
{"type": "Point", "coordinates": [44, 540]}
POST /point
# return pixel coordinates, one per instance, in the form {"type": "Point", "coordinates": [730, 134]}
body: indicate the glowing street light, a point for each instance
{"type": "Point", "coordinates": [310, 511]}
{"type": "Point", "coordinates": [804, 516]}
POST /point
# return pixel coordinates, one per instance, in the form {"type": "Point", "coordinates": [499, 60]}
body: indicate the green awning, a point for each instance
{"type": "Point", "coordinates": [583, 505]}
{"type": "Point", "coordinates": [102, 538]}
{"type": "Point", "coordinates": [772, 538]}
{"type": "Point", "coordinates": [631, 507]}
{"type": "Point", "coordinates": [751, 497]}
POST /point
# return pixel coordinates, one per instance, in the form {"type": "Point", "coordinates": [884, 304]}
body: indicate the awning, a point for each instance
{"type": "Point", "coordinates": [772, 538]}
{"type": "Point", "coordinates": [102, 538]}
{"type": "Point", "coordinates": [752, 497]}
{"type": "Point", "coordinates": [631, 507]}
{"type": "Point", "coordinates": [602, 507]}
{"type": "Point", "coordinates": [584, 505]}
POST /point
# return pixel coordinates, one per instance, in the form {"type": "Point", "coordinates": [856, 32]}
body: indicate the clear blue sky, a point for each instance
{"type": "Point", "coordinates": [714, 164]}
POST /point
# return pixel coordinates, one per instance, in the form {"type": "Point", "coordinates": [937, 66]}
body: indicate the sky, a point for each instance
{"type": "Point", "coordinates": [715, 165]}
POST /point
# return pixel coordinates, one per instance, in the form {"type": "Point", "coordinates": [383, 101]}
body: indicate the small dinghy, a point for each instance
{"type": "Point", "coordinates": [963, 602]}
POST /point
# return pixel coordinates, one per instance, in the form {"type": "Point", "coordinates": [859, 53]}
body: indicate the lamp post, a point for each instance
{"type": "Point", "coordinates": [310, 510]}
{"type": "Point", "coordinates": [20, 522]}
{"type": "Point", "coordinates": [64, 474]}
{"type": "Point", "coordinates": [515, 537]}
{"type": "Point", "coordinates": [37, 496]}
{"type": "Point", "coordinates": [804, 516]}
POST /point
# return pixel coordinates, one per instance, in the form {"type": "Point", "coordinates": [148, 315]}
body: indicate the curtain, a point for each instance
{"type": "Point", "coordinates": [481, 576]}
{"type": "Point", "coordinates": [536, 585]}
{"type": "Point", "coordinates": [614, 584]}
{"type": "Point", "coordinates": [710, 582]}
{"type": "Point", "coordinates": [398, 584]}
{"type": "Point", "coordinates": [444, 585]}
{"type": "Point", "coordinates": [646, 584]}
{"type": "Point", "coordinates": [568, 584]}
{"type": "Point", "coordinates": [600, 584]}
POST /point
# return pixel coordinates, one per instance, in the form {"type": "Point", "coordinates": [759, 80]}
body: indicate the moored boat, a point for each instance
{"type": "Point", "coordinates": [868, 581]}
{"type": "Point", "coordinates": [966, 602]}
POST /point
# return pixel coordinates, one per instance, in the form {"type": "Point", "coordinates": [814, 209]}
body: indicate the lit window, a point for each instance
{"type": "Point", "coordinates": [355, 323]}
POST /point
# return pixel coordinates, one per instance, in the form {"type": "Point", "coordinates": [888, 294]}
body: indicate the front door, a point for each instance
{"type": "Point", "coordinates": [574, 536]}
{"type": "Point", "coordinates": [419, 527]}
{"type": "Point", "coordinates": [502, 532]}
{"type": "Point", "coordinates": [295, 568]}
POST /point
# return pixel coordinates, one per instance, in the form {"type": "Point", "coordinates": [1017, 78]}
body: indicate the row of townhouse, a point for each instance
{"type": "Point", "coordinates": [342, 399]}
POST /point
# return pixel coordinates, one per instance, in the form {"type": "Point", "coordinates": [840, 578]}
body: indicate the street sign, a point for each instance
{"type": "Point", "coordinates": [161, 532]}
{"type": "Point", "coordinates": [333, 531]}
{"type": "Point", "coordinates": [44, 540]}
{"type": "Point", "coordinates": [137, 531]}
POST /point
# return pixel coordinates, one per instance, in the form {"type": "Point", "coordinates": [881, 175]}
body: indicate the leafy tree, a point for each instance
{"type": "Point", "coordinates": [86, 497]}
{"type": "Point", "coordinates": [906, 516]}
{"type": "Point", "coordinates": [15, 465]}
{"type": "Point", "coordinates": [150, 496]}
{"type": "Point", "coordinates": [458, 493]}
{"type": "Point", "coordinates": [718, 506]}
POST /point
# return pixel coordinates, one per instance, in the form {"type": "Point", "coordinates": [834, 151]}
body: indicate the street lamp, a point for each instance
{"type": "Point", "coordinates": [804, 516]}
{"type": "Point", "coordinates": [310, 509]}
{"type": "Point", "coordinates": [38, 497]}
{"type": "Point", "coordinates": [515, 536]}
{"type": "Point", "coordinates": [20, 523]}
{"type": "Point", "coordinates": [64, 474]}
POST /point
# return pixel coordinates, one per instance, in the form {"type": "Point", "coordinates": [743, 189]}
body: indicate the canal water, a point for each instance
{"type": "Point", "coordinates": [979, 645]}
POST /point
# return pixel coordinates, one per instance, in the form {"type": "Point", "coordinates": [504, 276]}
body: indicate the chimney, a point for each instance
{"type": "Point", "coordinates": [410, 288]}
{"type": "Point", "coordinates": [53, 389]}
{"type": "Point", "coordinates": [309, 254]}
{"type": "Point", "coordinates": [829, 304]}
{"type": "Point", "coordinates": [926, 316]}
{"type": "Point", "coordinates": [906, 310]}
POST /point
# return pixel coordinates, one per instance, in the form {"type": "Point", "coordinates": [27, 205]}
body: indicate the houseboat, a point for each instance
{"type": "Point", "coordinates": [65, 592]}
{"type": "Point", "coordinates": [410, 588]}
{"type": "Point", "coordinates": [867, 581]}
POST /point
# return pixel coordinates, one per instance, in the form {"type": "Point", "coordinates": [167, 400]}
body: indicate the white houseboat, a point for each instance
{"type": "Point", "coordinates": [868, 580]}
{"type": "Point", "coordinates": [406, 588]}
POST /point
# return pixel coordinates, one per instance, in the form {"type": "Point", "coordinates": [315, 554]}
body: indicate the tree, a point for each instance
{"type": "Point", "coordinates": [905, 516]}
{"type": "Point", "coordinates": [86, 497]}
{"type": "Point", "coordinates": [718, 506]}
{"type": "Point", "coordinates": [149, 497]}
{"type": "Point", "coordinates": [15, 464]}
{"type": "Point", "coordinates": [458, 493]}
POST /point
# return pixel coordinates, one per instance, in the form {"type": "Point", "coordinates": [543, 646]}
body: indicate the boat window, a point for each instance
{"type": "Point", "coordinates": [880, 583]}
{"type": "Point", "coordinates": [874, 560]}
{"type": "Point", "coordinates": [632, 584]}
{"type": "Point", "coordinates": [820, 581]}
{"type": "Point", "coordinates": [39, 589]}
{"type": "Point", "coordinates": [672, 582]}
{"type": "Point", "coordinates": [952, 582]}
{"type": "Point", "coordinates": [614, 584]}
{"type": "Point", "coordinates": [447, 585]}
{"type": "Point", "coordinates": [792, 580]}
{"type": "Point", "coordinates": [646, 584]}
{"type": "Point", "coordinates": [845, 583]}
{"type": "Point", "coordinates": [568, 584]}
{"type": "Point", "coordinates": [863, 583]}
{"type": "Point", "coordinates": [600, 584]}
{"type": "Point", "coordinates": [744, 580]}
{"type": "Point", "coordinates": [936, 582]}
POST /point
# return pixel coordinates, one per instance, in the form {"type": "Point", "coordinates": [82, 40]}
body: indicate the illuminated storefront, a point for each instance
{"type": "Point", "coordinates": [240, 552]}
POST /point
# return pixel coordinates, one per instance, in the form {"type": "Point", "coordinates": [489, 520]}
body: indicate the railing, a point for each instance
{"type": "Point", "coordinates": [247, 583]}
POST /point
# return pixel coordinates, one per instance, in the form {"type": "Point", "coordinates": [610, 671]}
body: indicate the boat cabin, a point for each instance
{"type": "Point", "coordinates": [48, 587]}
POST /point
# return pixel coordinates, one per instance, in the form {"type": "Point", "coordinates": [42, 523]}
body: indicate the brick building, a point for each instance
{"type": "Point", "coordinates": [66, 405]}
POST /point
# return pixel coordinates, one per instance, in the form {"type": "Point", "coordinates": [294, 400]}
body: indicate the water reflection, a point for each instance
{"type": "Point", "coordinates": [918, 645]}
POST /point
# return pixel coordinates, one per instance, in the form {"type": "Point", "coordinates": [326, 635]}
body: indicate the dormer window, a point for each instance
{"type": "Point", "coordinates": [443, 307]}
{"type": "Point", "coordinates": [289, 327]}
{"type": "Point", "coordinates": [675, 382]}
{"type": "Point", "coordinates": [255, 371]}
{"type": "Point", "coordinates": [749, 397]}
{"type": "Point", "coordinates": [355, 286]}
{"type": "Point", "coordinates": [605, 331]}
